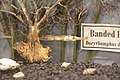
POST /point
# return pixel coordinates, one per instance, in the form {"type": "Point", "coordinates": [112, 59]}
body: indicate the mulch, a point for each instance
{"type": "Point", "coordinates": [54, 71]}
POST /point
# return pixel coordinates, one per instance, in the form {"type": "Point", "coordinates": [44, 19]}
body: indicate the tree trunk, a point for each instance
{"type": "Point", "coordinates": [33, 50]}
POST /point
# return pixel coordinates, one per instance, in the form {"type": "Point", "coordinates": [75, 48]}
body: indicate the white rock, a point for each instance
{"type": "Point", "coordinates": [6, 63]}
{"type": "Point", "coordinates": [65, 64]}
{"type": "Point", "coordinates": [19, 75]}
{"type": "Point", "coordinates": [89, 71]}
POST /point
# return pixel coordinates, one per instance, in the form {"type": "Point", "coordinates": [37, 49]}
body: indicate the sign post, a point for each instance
{"type": "Point", "coordinates": [105, 37]}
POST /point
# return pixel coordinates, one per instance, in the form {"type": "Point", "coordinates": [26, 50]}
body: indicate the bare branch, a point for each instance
{"type": "Point", "coordinates": [14, 7]}
{"type": "Point", "coordinates": [62, 5]}
{"type": "Point", "coordinates": [18, 17]}
{"type": "Point", "coordinates": [21, 32]}
{"type": "Point", "coordinates": [62, 37]}
{"type": "Point", "coordinates": [36, 11]}
{"type": "Point", "coordinates": [25, 12]}
{"type": "Point", "coordinates": [47, 12]}
{"type": "Point", "coordinates": [5, 36]}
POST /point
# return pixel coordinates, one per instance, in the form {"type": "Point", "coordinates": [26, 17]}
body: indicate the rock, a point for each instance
{"type": "Point", "coordinates": [19, 75]}
{"type": "Point", "coordinates": [6, 63]}
{"type": "Point", "coordinates": [72, 72]}
{"type": "Point", "coordinates": [65, 64]}
{"type": "Point", "coordinates": [89, 71]}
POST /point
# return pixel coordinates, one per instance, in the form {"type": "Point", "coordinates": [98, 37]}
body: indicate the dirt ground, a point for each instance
{"type": "Point", "coordinates": [54, 71]}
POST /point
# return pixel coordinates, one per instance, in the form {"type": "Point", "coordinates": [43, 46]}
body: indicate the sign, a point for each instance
{"type": "Point", "coordinates": [104, 37]}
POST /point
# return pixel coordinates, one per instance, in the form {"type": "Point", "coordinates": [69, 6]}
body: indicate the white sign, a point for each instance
{"type": "Point", "coordinates": [104, 37]}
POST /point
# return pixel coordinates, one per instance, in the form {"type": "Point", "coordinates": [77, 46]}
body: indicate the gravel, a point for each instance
{"type": "Point", "coordinates": [54, 71]}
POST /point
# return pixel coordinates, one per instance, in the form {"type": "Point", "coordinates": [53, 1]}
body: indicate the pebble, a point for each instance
{"type": "Point", "coordinates": [89, 71]}
{"type": "Point", "coordinates": [72, 72]}
{"type": "Point", "coordinates": [6, 63]}
{"type": "Point", "coordinates": [19, 75]}
{"type": "Point", "coordinates": [65, 64]}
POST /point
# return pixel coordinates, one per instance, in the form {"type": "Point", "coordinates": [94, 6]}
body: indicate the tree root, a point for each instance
{"type": "Point", "coordinates": [32, 53]}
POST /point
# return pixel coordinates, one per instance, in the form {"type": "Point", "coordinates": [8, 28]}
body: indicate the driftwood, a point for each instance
{"type": "Point", "coordinates": [32, 50]}
{"type": "Point", "coordinates": [62, 38]}
{"type": "Point", "coordinates": [32, 53]}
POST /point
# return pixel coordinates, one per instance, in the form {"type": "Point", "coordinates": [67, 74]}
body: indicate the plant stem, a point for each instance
{"type": "Point", "coordinates": [63, 32]}
{"type": "Point", "coordinates": [91, 53]}
{"type": "Point", "coordinates": [76, 33]}
{"type": "Point", "coordinates": [75, 54]}
{"type": "Point", "coordinates": [12, 39]}
{"type": "Point", "coordinates": [63, 43]}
